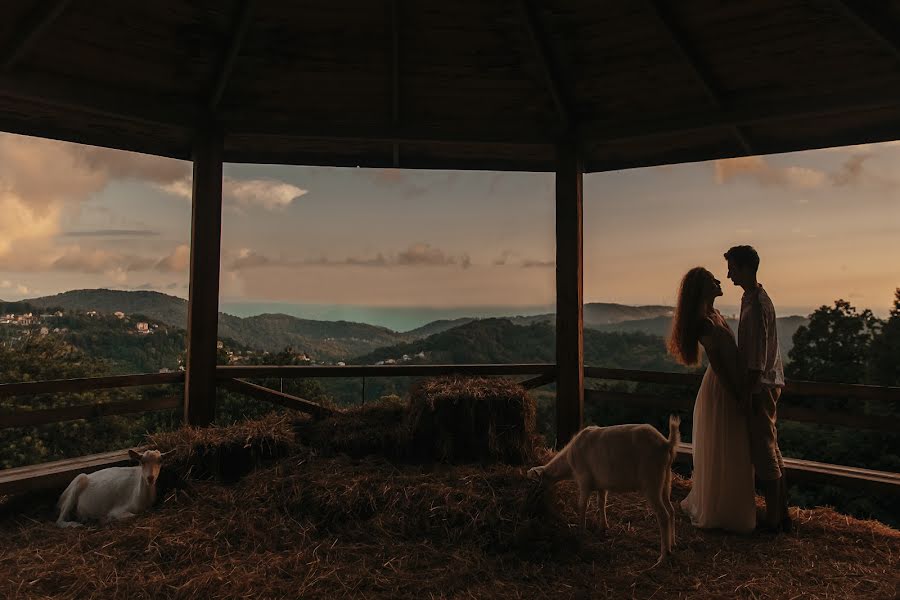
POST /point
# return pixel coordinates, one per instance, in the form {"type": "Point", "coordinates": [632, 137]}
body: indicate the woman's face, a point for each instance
{"type": "Point", "coordinates": [712, 287]}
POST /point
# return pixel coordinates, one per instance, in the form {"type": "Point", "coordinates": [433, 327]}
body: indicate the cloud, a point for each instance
{"type": "Point", "coordinates": [96, 260]}
{"type": "Point", "coordinates": [41, 180]}
{"type": "Point", "coordinates": [244, 193]}
{"type": "Point", "coordinates": [111, 233]}
{"type": "Point", "coordinates": [504, 258]}
{"type": "Point", "coordinates": [271, 195]}
{"type": "Point", "coordinates": [755, 168]}
{"type": "Point", "coordinates": [542, 264]}
{"type": "Point", "coordinates": [248, 259]}
{"type": "Point", "coordinates": [416, 255]}
{"type": "Point", "coordinates": [425, 254]}
{"type": "Point", "coordinates": [851, 171]}
{"type": "Point", "coordinates": [120, 164]}
{"type": "Point", "coordinates": [177, 261]}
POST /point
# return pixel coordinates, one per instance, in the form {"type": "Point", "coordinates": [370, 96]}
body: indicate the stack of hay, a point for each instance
{"type": "Point", "coordinates": [448, 419]}
{"type": "Point", "coordinates": [224, 453]}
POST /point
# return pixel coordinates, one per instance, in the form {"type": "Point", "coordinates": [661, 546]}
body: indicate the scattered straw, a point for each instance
{"type": "Point", "coordinates": [320, 525]}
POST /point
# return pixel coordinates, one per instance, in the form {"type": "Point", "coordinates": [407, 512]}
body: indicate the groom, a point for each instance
{"type": "Point", "coordinates": [760, 364]}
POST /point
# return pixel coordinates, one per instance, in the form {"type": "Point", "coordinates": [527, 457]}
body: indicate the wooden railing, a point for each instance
{"type": "Point", "coordinates": [786, 412]}
{"type": "Point", "coordinates": [799, 470]}
{"type": "Point", "coordinates": [234, 377]}
{"type": "Point", "coordinates": [28, 417]}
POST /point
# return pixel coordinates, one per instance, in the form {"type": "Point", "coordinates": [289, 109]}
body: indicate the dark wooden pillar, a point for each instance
{"type": "Point", "coordinates": [569, 293]}
{"type": "Point", "coordinates": [203, 295]}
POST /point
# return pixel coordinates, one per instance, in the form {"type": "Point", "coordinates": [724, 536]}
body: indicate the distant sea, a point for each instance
{"type": "Point", "coordinates": [398, 318]}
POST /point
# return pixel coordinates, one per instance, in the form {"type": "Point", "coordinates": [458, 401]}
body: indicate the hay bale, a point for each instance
{"type": "Point", "coordinates": [370, 429]}
{"type": "Point", "coordinates": [225, 453]}
{"type": "Point", "coordinates": [461, 419]}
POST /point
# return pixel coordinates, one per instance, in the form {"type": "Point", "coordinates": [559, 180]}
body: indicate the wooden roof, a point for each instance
{"type": "Point", "coordinates": [462, 84]}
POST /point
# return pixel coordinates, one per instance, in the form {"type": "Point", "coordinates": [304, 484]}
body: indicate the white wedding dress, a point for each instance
{"type": "Point", "coordinates": [722, 493]}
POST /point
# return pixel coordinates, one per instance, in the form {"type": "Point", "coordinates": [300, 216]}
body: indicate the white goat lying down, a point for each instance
{"type": "Point", "coordinates": [112, 494]}
{"type": "Point", "coordinates": [621, 458]}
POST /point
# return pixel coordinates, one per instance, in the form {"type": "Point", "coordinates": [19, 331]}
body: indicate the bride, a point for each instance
{"type": "Point", "coordinates": [722, 493]}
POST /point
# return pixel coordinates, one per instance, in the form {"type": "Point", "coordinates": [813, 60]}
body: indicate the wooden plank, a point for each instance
{"type": "Point", "coordinates": [296, 371]}
{"type": "Point", "coordinates": [569, 293]}
{"type": "Point", "coordinates": [744, 112]}
{"type": "Point", "coordinates": [888, 424]}
{"type": "Point", "coordinates": [276, 397]}
{"type": "Point", "coordinates": [73, 95]}
{"type": "Point", "coordinates": [663, 403]}
{"type": "Point", "coordinates": [540, 380]}
{"type": "Point", "coordinates": [203, 295]}
{"type": "Point", "coordinates": [697, 65]}
{"type": "Point", "coordinates": [793, 387]}
{"type": "Point", "coordinates": [57, 474]}
{"type": "Point", "coordinates": [29, 32]}
{"type": "Point", "coordinates": [86, 384]}
{"type": "Point", "coordinates": [395, 76]}
{"type": "Point", "coordinates": [236, 40]}
{"type": "Point", "coordinates": [877, 27]}
{"type": "Point", "coordinates": [807, 471]}
{"type": "Point", "coordinates": [70, 413]}
{"type": "Point", "coordinates": [643, 376]}
{"type": "Point", "coordinates": [548, 64]}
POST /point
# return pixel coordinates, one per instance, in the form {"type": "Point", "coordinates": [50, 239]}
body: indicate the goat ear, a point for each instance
{"type": "Point", "coordinates": [134, 455]}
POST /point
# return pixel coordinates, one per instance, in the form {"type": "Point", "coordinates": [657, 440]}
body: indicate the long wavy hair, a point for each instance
{"type": "Point", "coordinates": [684, 340]}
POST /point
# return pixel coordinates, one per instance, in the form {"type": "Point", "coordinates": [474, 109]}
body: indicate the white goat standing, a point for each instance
{"type": "Point", "coordinates": [621, 458]}
{"type": "Point", "coordinates": [112, 494]}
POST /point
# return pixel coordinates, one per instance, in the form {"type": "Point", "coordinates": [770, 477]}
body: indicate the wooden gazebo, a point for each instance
{"type": "Point", "coordinates": [568, 86]}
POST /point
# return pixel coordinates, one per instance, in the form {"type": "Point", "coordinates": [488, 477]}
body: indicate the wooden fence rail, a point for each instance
{"type": "Point", "coordinates": [792, 388]}
{"type": "Point", "coordinates": [289, 371]}
{"type": "Point", "coordinates": [86, 384]}
{"type": "Point", "coordinates": [888, 424]}
{"type": "Point", "coordinates": [26, 418]}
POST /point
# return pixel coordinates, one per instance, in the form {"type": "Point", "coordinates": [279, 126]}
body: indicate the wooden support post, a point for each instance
{"type": "Point", "coordinates": [569, 293]}
{"type": "Point", "coordinates": [203, 295]}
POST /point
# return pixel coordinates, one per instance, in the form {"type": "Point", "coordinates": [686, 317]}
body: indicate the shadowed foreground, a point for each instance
{"type": "Point", "coordinates": [322, 526]}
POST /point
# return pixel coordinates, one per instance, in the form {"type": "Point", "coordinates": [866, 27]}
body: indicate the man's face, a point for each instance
{"type": "Point", "coordinates": [735, 274]}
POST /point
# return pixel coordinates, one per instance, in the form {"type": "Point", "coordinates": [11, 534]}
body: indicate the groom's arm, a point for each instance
{"type": "Point", "coordinates": [756, 355]}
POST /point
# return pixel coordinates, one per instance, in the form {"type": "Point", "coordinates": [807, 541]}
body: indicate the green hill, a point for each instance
{"type": "Point", "coordinates": [325, 340]}
{"type": "Point", "coordinates": [661, 325]}
{"type": "Point", "coordinates": [502, 341]}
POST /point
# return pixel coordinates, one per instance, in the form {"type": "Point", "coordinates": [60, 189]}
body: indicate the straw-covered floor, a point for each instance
{"type": "Point", "coordinates": [323, 524]}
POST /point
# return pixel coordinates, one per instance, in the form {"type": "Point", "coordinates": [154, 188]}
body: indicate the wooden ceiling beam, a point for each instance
{"type": "Point", "coordinates": [30, 31]}
{"type": "Point", "coordinates": [876, 26]}
{"type": "Point", "coordinates": [226, 66]}
{"type": "Point", "coordinates": [18, 92]}
{"type": "Point", "coordinates": [679, 40]}
{"type": "Point", "coordinates": [74, 95]}
{"type": "Point", "coordinates": [395, 76]}
{"type": "Point", "coordinates": [549, 66]}
{"type": "Point", "coordinates": [747, 112]}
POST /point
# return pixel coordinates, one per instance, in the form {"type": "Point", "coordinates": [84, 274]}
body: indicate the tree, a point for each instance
{"type": "Point", "coordinates": [884, 361]}
{"type": "Point", "coordinates": [834, 346]}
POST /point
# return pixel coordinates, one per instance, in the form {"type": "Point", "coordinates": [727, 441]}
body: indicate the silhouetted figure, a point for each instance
{"type": "Point", "coordinates": [722, 494]}
{"type": "Point", "coordinates": [763, 374]}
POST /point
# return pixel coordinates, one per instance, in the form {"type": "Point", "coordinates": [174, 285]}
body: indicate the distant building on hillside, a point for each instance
{"type": "Point", "coordinates": [220, 344]}
{"type": "Point", "coordinates": [143, 327]}
{"type": "Point", "coordinates": [91, 313]}
{"type": "Point", "coordinates": [119, 314]}
{"type": "Point", "coordinates": [45, 331]}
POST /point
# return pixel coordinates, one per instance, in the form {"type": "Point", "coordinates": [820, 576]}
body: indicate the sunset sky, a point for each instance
{"type": "Point", "coordinates": [827, 224]}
